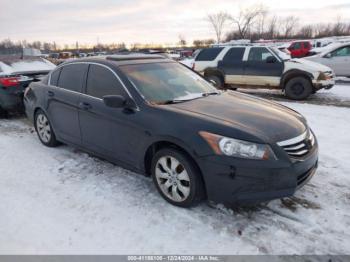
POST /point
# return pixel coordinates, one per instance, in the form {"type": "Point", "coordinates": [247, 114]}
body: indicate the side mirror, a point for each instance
{"type": "Point", "coordinates": [329, 55]}
{"type": "Point", "coordinates": [271, 60]}
{"type": "Point", "coordinates": [114, 101]}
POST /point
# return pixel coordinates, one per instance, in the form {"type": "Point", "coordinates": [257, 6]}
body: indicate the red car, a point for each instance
{"type": "Point", "coordinates": [300, 49]}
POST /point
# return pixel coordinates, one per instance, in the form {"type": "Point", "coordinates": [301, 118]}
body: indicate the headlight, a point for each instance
{"type": "Point", "coordinates": [324, 76]}
{"type": "Point", "coordinates": [237, 148]}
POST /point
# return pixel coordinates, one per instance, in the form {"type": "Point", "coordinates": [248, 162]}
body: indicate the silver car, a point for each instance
{"type": "Point", "coordinates": [336, 57]}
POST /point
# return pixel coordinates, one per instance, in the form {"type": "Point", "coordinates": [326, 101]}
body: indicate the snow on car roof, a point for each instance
{"type": "Point", "coordinates": [10, 66]}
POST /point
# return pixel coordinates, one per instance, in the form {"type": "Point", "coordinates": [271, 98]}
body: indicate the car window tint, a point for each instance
{"type": "Point", "coordinates": [344, 51]}
{"type": "Point", "coordinates": [209, 54]}
{"type": "Point", "coordinates": [259, 54]}
{"type": "Point", "coordinates": [306, 44]}
{"type": "Point", "coordinates": [101, 81]}
{"type": "Point", "coordinates": [54, 77]}
{"type": "Point", "coordinates": [234, 54]}
{"type": "Point", "coordinates": [72, 77]}
{"type": "Point", "coordinates": [297, 45]}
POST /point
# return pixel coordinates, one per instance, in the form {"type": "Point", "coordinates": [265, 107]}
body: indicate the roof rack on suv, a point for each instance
{"type": "Point", "coordinates": [133, 57]}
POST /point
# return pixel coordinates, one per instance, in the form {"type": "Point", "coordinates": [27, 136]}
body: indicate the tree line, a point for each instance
{"type": "Point", "coordinates": [9, 46]}
{"type": "Point", "coordinates": [256, 22]}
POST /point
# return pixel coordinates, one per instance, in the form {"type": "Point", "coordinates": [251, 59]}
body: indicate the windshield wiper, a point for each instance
{"type": "Point", "coordinates": [176, 101]}
{"type": "Point", "coordinates": [210, 94]}
{"type": "Point", "coordinates": [168, 102]}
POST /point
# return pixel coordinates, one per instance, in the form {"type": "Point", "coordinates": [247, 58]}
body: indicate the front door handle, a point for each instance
{"type": "Point", "coordinates": [50, 93]}
{"type": "Point", "coordinates": [85, 106]}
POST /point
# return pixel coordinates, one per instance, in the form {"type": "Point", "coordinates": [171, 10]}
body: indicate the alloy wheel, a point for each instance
{"type": "Point", "coordinates": [43, 128]}
{"type": "Point", "coordinates": [172, 178]}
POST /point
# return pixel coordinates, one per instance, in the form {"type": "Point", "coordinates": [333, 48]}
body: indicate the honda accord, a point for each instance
{"type": "Point", "coordinates": [154, 116]}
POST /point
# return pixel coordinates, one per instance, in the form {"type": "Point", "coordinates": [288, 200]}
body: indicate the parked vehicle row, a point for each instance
{"type": "Point", "coordinates": [262, 67]}
{"type": "Point", "coordinates": [154, 116]}
{"type": "Point", "coordinates": [336, 56]}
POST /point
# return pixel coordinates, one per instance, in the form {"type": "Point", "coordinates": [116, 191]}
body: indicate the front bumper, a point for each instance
{"type": "Point", "coordinates": [232, 181]}
{"type": "Point", "coordinates": [327, 84]}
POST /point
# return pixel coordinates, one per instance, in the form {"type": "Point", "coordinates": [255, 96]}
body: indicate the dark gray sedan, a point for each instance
{"type": "Point", "coordinates": [157, 117]}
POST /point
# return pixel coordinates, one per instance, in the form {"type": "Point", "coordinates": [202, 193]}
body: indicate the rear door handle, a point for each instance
{"type": "Point", "coordinates": [85, 106]}
{"type": "Point", "coordinates": [50, 93]}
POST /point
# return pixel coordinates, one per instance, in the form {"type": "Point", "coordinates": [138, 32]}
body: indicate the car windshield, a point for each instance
{"type": "Point", "coordinates": [167, 82]}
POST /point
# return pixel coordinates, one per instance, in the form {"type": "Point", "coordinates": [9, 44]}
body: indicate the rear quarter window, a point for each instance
{"type": "Point", "coordinates": [209, 54]}
{"type": "Point", "coordinates": [54, 77]}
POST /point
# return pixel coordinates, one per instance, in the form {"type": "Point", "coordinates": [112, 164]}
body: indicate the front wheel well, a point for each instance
{"type": "Point", "coordinates": [211, 72]}
{"type": "Point", "coordinates": [155, 147]}
{"type": "Point", "coordinates": [292, 75]}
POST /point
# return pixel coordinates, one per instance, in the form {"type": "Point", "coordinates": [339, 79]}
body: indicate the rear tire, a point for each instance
{"type": "Point", "coordinates": [298, 88]}
{"type": "Point", "coordinates": [44, 129]}
{"type": "Point", "coordinates": [177, 178]}
{"type": "Point", "coordinates": [217, 81]}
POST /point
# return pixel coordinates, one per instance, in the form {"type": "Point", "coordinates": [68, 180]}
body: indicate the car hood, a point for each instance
{"type": "Point", "coordinates": [269, 122]}
{"type": "Point", "coordinates": [310, 65]}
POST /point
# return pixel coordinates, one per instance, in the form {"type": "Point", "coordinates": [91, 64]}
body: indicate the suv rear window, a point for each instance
{"type": "Point", "coordinates": [209, 54]}
{"type": "Point", "coordinates": [234, 54]}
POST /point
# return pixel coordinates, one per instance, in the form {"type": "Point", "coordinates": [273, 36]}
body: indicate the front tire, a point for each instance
{"type": "Point", "coordinates": [216, 81]}
{"type": "Point", "coordinates": [44, 129]}
{"type": "Point", "coordinates": [176, 178]}
{"type": "Point", "coordinates": [298, 88]}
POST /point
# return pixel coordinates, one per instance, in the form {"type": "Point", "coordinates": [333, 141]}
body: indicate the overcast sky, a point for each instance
{"type": "Point", "coordinates": [143, 21]}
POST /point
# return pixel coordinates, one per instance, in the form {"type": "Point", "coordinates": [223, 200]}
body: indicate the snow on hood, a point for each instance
{"type": "Point", "coordinates": [312, 66]}
{"type": "Point", "coordinates": [22, 66]}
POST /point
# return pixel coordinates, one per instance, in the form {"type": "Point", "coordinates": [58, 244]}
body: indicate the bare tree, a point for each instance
{"type": "Point", "coordinates": [182, 40]}
{"type": "Point", "coordinates": [339, 28]}
{"type": "Point", "coordinates": [261, 22]}
{"type": "Point", "coordinates": [289, 25]}
{"type": "Point", "coordinates": [272, 27]}
{"type": "Point", "coordinates": [246, 18]}
{"type": "Point", "coordinates": [218, 21]}
{"type": "Point", "coordinates": [306, 31]}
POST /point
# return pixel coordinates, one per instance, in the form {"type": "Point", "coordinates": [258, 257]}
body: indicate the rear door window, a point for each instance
{"type": "Point", "coordinates": [209, 54]}
{"type": "Point", "coordinates": [306, 45]}
{"type": "Point", "coordinates": [72, 77]}
{"type": "Point", "coordinates": [101, 81]}
{"type": "Point", "coordinates": [234, 54]}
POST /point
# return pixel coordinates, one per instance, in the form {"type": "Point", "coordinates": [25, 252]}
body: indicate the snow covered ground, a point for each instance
{"type": "Point", "coordinates": [61, 200]}
{"type": "Point", "coordinates": [339, 95]}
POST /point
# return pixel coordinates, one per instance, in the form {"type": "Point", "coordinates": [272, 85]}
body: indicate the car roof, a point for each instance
{"type": "Point", "coordinates": [122, 59]}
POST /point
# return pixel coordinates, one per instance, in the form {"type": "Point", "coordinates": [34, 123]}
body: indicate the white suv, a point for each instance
{"type": "Point", "coordinates": [262, 67]}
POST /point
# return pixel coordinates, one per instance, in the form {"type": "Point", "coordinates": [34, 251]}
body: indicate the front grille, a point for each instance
{"type": "Point", "coordinates": [298, 146]}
